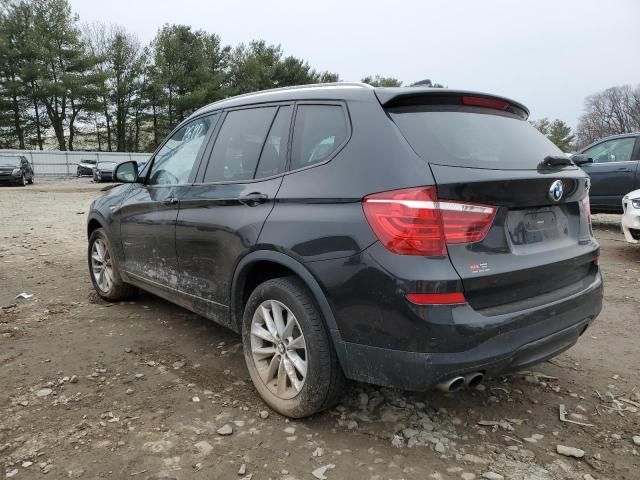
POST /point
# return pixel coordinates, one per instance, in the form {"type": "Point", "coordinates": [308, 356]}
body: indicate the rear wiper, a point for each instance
{"type": "Point", "coordinates": [556, 161]}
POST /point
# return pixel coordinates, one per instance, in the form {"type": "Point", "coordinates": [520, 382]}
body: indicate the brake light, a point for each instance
{"type": "Point", "coordinates": [453, 298]}
{"type": "Point", "coordinates": [413, 221]}
{"type": "Point", "coordinates": [485, 102]}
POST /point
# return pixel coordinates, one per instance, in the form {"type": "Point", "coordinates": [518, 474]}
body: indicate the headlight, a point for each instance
{"type": "Point", "coordinates": [17, 172]}
{"type": "Point", "coordinates": [635, 202]}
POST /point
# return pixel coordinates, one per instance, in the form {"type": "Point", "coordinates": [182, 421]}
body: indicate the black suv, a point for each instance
{"type": "Point", "coordinates": [15, 170]}
{"type": "Point", "coordinates": [407, 237]}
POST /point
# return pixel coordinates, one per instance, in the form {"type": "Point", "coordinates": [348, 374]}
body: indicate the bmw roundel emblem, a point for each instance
{"type": "Point", "coordinates": [556, 191]}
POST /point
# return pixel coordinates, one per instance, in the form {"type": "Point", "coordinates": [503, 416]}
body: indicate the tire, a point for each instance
{"type": "Point", "coordinates": [23, 181]}
{"type": "Point", "coordinates": [323, 382]}
{"type": "Point", "coordinates": [114, 289]}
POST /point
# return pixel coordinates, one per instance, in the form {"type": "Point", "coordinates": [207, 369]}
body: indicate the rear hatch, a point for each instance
{"type": "Point", "coordinates": [481, 150]}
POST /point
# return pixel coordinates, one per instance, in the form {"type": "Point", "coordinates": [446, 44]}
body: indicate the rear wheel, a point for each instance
{"type": "Point", "coordinates": [103, 269]}
{"type": "Point", "coordinates": [289, 354]}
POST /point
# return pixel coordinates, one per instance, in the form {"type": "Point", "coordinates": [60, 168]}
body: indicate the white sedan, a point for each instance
{"type": "Point", "coordinates": [631, 216]}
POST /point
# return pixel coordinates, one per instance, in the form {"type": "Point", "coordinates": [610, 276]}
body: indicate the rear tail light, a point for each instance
{"type": "Point", "coordinates": [413, 221]}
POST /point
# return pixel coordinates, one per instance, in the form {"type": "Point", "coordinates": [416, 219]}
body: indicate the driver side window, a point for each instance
{"type": "Point", "coordinates": [173, 163]}
{"type": "Point", "coordinates": [616, 150]}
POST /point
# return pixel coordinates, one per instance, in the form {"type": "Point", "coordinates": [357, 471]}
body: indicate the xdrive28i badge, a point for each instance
{"type": "Point", "coordinates": [556, 191]}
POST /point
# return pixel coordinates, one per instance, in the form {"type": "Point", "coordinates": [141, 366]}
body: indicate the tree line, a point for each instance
{"type": "Point", "coordinates": [70, 86]}
{"type": "Point", "coordinates": [613, 111]}
{"type": "Point", "coordinates": [97, 87]}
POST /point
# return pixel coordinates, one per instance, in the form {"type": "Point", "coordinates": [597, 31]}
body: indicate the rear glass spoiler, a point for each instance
{"type": "Point", "coordinates": [413, 96]}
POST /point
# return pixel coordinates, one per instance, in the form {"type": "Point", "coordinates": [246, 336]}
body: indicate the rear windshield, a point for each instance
{"type": "Point", "coordinates": [472, 138]}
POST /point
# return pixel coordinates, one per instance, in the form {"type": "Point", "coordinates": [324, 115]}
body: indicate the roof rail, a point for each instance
{"type": "Point", "coordinates": [293, 87]}
{"type": "Point", "coordinates": [299, 87]}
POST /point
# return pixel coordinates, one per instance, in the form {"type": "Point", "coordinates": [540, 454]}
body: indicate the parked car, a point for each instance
{"type": "Point", "coordinates": [631, 216]}
{"type": "Point", "coordinates": [15, 170]}
{"type": "Point", "coordinates": [612, 163]}
{"type": "Point", "coordinates": [103, 171]}
{"type": "Point", "coordinates": [85, 167]}
{"type": "Point", "coordinates": [410, 238]}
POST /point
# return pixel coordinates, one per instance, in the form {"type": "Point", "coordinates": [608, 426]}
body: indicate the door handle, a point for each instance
{"type": "Point", "coordinates": [254, 199]}
{"type": "Point", "coordinates": [170, 201]}
{"type": "Point", "coordinates": [623, 169]}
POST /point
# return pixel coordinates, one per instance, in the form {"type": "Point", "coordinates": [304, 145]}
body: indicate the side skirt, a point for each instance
{"type": "Point", "coordinates": [216, 312]}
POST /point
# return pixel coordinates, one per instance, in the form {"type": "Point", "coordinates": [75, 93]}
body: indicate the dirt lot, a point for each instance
{"type": "Point", "coordinates": [139, 389]}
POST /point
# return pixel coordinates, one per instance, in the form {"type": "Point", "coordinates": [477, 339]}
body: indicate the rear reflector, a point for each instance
{"type": "Point", "coordinates": [485, 102]}
{"type": "Point", "coordinates": [413, 221]}
{"type": "Point", "coordinates": [586, 209]}
{"type": "Point", "coordinates": [454, 298]}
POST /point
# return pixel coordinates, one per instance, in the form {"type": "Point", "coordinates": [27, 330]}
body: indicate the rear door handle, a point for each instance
{"type": "Point", "coordinates": [623, 169]}
{"type": "Point", "coordinates": [170, 201]}
{"type": "Point", "coordinates": [254, 199]}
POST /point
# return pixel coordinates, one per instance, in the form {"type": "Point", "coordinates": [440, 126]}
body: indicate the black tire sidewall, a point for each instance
{"type": "Point", "coordinates": [317, 381]}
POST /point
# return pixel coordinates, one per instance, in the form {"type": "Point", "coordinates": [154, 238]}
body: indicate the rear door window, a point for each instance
{"type": "Point", "coordinates": [239, 144]}
{"type": "Point", "coordinates": [473, 137]}
{"type": "Point", "coordinates": [318, 132]}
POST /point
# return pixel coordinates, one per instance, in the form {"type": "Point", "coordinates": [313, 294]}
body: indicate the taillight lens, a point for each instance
{"type": "Point", "coordinates": [413, 221]}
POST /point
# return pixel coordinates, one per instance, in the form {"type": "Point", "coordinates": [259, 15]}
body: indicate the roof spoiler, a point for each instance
{"type": "Point", "coordinates": [413, 96]}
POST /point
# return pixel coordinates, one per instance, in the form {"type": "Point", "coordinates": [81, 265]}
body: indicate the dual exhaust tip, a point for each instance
{"type": "Point", "coordinates": [455, 384]}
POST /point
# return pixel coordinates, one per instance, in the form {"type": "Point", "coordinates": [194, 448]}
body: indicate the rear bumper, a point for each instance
{"type": "Point", "coordinates": [421, 371]}
{"type": "Point", "coordinates": [473, 342]}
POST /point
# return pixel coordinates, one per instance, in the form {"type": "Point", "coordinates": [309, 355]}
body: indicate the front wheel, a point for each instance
{"type": "Point", "coordinates": [103, 269]}
{"type": "Point", "coordinates": [288, 352]}
{"type": "Point", "coordinates": [23, 181]}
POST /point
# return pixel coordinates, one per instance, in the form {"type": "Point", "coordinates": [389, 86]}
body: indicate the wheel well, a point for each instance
{"type": "Point", "coordinates": [93, 225]}
{"type": "Point", "coordinates": [250, 278]}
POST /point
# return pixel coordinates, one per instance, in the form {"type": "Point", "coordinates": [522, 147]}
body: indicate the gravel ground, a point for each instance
{"type": "Point", "coordinates": [146, 390]}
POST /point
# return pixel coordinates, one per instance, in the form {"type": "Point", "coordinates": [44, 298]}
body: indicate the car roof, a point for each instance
{"type": "Point", "coordinates": [339, 91]}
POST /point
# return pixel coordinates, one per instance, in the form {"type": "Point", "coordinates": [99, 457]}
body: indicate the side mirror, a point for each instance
{"type": "Point", "coordinates": [581, 159]}
{"type": "Point", "coordinates": [127, 172]}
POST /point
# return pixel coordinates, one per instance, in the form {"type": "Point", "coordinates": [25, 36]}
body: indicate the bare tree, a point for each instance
{"type": "Point", "coordinates": [615, 110]}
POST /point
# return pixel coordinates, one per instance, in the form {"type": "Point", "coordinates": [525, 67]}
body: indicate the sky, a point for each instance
{"type": "Point", "coordinates": [547, 54]}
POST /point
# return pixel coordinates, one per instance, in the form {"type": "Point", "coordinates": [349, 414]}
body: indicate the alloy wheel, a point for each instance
{"type": "Point", "coordinates": [278, 349]}
{"type": "Point", "coordinates": [101, 265]}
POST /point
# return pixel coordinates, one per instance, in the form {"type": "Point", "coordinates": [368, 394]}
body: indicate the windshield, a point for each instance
{"type": "Point", "coordinates": [469, 138]}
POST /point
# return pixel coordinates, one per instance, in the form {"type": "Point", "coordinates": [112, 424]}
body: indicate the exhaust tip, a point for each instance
{"type": "Point", "coordinates": [472, 380]}
{"type": "Point", "coordinates": [451, 385]}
